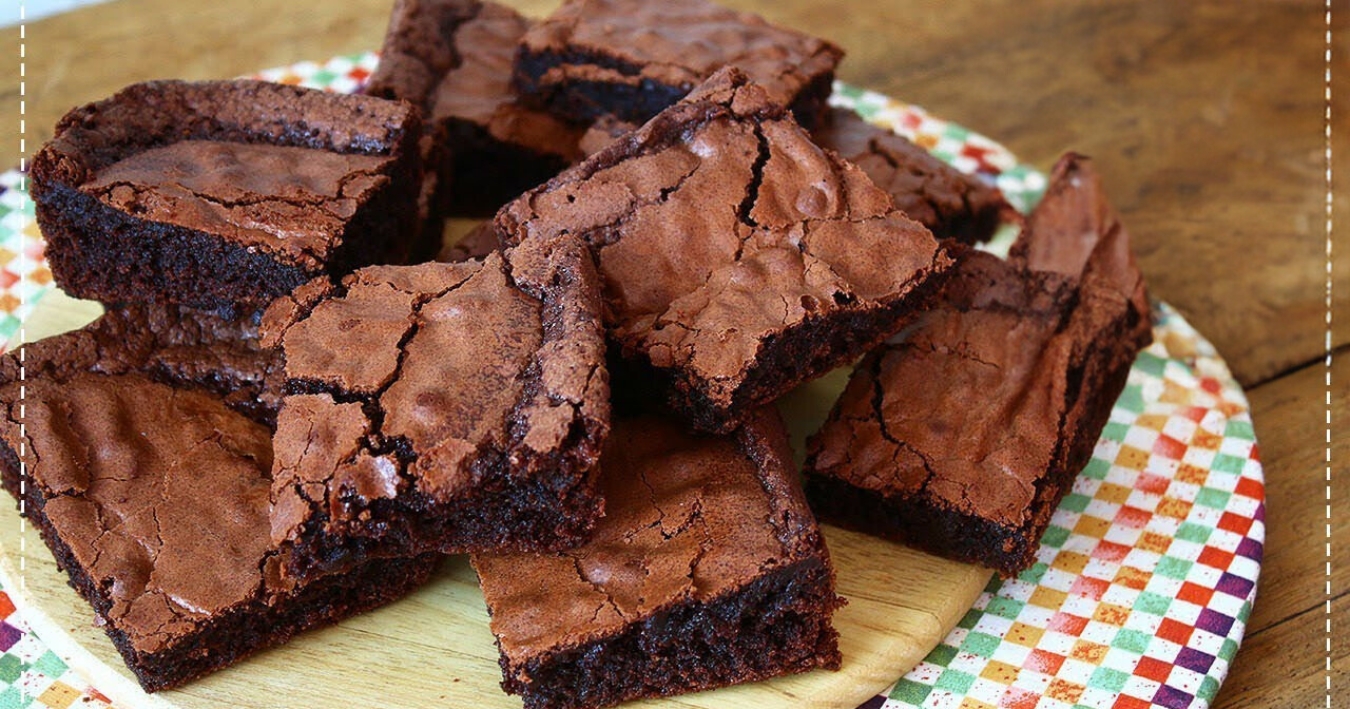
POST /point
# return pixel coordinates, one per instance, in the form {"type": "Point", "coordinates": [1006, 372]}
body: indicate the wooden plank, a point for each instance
{"type": "Point", "coordinates": [1289, 415]}
{"type": "Point", "coordinates": [1285, 667]}
{"type": "Point", "coordinates": [1281, 661]}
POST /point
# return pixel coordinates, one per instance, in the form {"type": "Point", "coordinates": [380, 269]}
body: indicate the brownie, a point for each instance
{"type": "Point", "coordinates": [738, 258]}
{"type": "Point", "coordinates": [632, 59]}
{"type": "Point", "coordinates": [224, 193]}
{"type": "Point", "coordinates": [963, 437]}
{"type": "Point", "coordinates": [146, 469]}
{"type": "Point", "coordinates": [952, 204]}
{"type": "Point", "coordinates": [453, 58]}
{"type": "Point", "coordinates": [446, 407]}
{"type": "Point", "coordinates": [707, 570]}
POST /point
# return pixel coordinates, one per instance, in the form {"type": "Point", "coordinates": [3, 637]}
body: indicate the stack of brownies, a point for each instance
{"type": "Point", "coordinates": [287, 413]}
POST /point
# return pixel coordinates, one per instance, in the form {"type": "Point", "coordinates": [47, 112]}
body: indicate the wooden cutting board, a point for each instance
{"type": "Point", "coordinates": [434, 648]}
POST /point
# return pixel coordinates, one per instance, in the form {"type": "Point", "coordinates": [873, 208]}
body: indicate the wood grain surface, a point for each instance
{"type": "Point", "coordinates": [1206, 118]}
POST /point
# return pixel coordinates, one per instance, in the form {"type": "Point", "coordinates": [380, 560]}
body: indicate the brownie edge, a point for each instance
{"type": "Point", "coordinates": [224, 193]}
{"type": "Point", "coordinates": [632, 59]}
{"type": "Point", "coordinates": [708, 570]}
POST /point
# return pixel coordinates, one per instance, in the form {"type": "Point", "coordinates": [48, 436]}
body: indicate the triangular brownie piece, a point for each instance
{"type": "Point", "coordinates": [738, 258]}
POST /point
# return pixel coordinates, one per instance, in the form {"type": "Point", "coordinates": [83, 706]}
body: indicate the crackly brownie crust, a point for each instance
{"type": "Point", "coordinates": [738, 258]}
{"type": "Point", "coordinates": [952, 204]}
{"type": "Point", "coordinates": [1044, 352]}
{"type": "Point", "coordinates": [453, 58]}
{"type": "Point", "coordinates": [632, 59]}
{"type": "Point", "coordinates": [223, 193]}
{"type": "Point", "coordinates": [147, 452]}
{"type": "Point", "coordinates": [707, 570]}
{"type": "Point", "coordinates": [448, 407]}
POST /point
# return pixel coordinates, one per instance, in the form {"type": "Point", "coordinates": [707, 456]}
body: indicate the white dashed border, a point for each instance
{"type": "Point", "coordinates": [1326, 118]}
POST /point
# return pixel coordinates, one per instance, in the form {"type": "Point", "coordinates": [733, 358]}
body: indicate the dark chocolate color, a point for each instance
{"type": "Point", "coordinates": [148, 459]}
{"type": "Point", "coordinates": [952, 204]}
{"type": "Point", "coordinates": [447, 407]}
{"type": "Point", "coordinates": [453, 59]}
{"type": "Point", "coordinates": [707, 570]}
{"type": "Point", "coordinates": [223, 193]}
{"type": "Point", "coordinates": [963, 437]}
{"type": "Point", "coordinates": [632, 59]}
{"type": "Point", "coordinates": [738, 258]}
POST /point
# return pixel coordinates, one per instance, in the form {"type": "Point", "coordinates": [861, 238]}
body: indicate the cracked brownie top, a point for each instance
{"type": "Point", "coordinates": [721, 231]}
{"type": "Point", "coordinates": [182, 347]}
{"type": "Point", "coordinates": [172, 477]}
{"type": "Point", "coordinates": [291, 200]}
{"type": "Point", "coordinates": [688, 519]}
{"type": "Point", "coordinates": [273, 167]}
{"type": "Point", "coordinates": [146, 435]}
{"type": "Point", "coordinates": [993, 341]}
{"type": "Point", "coordinates": [1034, 340]}
{"type": "Point", "coordinates": [422, 381]}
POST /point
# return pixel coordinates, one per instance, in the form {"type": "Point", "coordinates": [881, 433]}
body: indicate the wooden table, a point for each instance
{"type": "Point", "coordinates": [1206, 118]}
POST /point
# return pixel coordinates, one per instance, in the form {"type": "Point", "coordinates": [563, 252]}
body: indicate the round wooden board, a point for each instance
{"type": "Point", "coordinates": [434, 648]}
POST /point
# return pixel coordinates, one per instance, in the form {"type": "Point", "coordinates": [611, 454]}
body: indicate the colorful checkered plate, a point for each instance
{"type": "Point", "coordinates": [1144, 580]}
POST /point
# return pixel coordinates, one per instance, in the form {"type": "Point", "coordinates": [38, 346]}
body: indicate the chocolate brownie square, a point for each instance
{"type": "Point", "coordinates": [440, 407]}
{"type": "Point", "coordinates": [632, 59]}
{"type": "Point", "coordinates": [146, 469]}
{"type": "Point", "coordinates": [453, 59]}
{"type": "Point", "coordinates": [962, 438]}
{"type": "Point", "coordinates": [224, 193]}
{"type": "Point", "coordinates": [952, 204]}
{"type": "Point", "coordinates": [738, 258]}
{"type": "Point", "coordinates": [707, 570]}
